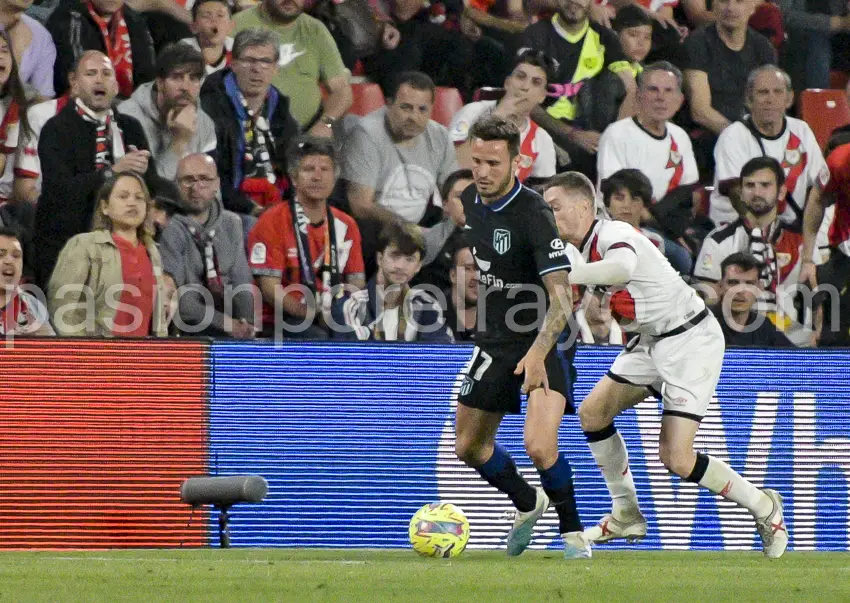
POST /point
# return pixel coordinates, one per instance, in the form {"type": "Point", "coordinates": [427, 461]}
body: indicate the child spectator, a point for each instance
{"type": "Point", "coordinates": [389, 309]}
{"type": "Point", "coordinates": [212, 23]}
{"type": "Point", "coordinates": [634, 28]}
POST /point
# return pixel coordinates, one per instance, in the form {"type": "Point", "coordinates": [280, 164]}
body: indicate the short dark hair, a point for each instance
{"type": "Point", "coordinates": [307, 146]}
{"type": "Point", "coordinates": [416, 80]}
{"type": "Point", "coordinates": [630, 179]}
{"type": "Point", "coordinates": [451, 180]}
{"type": "Point", "coordinates": [407, 237]}
{"type": "Point", "coordinates": [167, 204]}
{"type": "Point", "coordinates": [460, 246]}
{"type": "Point", "coordinates": [176, 56]}
{"type": "Point", "coordinates": [741, 259]}
{"type": "Point", "coordinates": [572, 181]}
{"type": "Point", "coordinates": [665, 66]}
{"type": "Point", "coordinates": [11, 232]}
{"type": "Point", "coordinates": [538, 58]}
{"type": "Point", "coordinates": [494, 127]}
{"type": "Point", "coordinates": [764, 163]}
{"type": "Point", "coordinates": [630, 16]}
{"type": "Point", "coordinates": [200, 3]}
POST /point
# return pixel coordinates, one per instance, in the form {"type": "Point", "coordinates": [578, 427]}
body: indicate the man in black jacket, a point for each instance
{"type": "Point", "coordinates": [80, 147]}
{"type": "Point", "coordinates": [108, 26]}
{"type": "Point", "coordinates": [253, 125]}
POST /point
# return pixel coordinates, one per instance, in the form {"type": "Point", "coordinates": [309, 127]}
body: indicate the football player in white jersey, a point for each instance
{"type": "Point", "coordinates": [675, 351]}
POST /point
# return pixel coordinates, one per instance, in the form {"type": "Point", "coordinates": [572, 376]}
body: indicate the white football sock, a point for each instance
{"type": "Point", "coordinates": [721, 479]}
{"type": "Point", "coordinates": [613, 460]}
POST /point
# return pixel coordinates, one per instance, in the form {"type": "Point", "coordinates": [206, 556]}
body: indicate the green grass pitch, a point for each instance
{"type": "Point", "coordinates": [249, 575]}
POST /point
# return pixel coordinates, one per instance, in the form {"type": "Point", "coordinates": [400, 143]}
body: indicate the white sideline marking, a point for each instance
{"type": "Point", "coordinates": [266, 561]}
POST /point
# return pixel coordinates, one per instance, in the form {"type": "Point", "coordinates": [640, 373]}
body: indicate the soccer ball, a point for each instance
{"type": "Point", "coordinates": [439, 530]}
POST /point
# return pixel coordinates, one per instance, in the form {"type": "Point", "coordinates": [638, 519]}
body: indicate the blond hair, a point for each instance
{"type": "Point", "coordinates": [101, 221]}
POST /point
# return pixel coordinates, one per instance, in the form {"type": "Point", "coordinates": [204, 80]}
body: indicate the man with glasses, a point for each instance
{"type": "Point", "coordinates": [309, 60]}
{"type": "Point", "coordinates": [203, 251]}
{"type": "Point", "coordinates": [253, 124]}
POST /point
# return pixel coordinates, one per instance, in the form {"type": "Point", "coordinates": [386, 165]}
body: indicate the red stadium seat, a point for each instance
{"type": "Point", "coordinates": [486, 94]}
{"type": "Point", "coordinates": [367, 98]}
{"type": "Point", "coordinates": [824, 110]}
{"type": "Point", "coordinates": [447, 102]}
{"type": "Point", "coordinates": [838, 79]}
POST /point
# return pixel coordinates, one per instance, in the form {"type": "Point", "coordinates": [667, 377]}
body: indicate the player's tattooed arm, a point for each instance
{"type": "Point", "coordinates": [560, 307]}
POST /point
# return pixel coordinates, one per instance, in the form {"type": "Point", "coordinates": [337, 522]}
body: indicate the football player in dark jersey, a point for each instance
{"type": "Point", "coordinates": [527, 300]}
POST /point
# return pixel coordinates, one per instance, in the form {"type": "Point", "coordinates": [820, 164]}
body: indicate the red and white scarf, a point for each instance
{"type": "Point", "coordinates": [116, 40]}
{"type": "Point", "coordinates": [109, 141]}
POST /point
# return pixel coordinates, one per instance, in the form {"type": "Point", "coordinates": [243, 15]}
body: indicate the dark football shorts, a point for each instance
{"type": "Point", "coordinates": [488, 381]}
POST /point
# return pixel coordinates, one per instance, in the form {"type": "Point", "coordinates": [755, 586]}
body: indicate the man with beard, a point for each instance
{"type": "Point", "coordinates": [168, 109]}
{"type": "Point", "coordinates": [203, 250]}
{"type": "Point", "coordinates": [462, 302]}
{"type": "Point", "coordinates": [759, 231]}
{"type": "Point", "coordinates": [524, 264]}
{"type": "Point", "coordinates": [593, 86]}
{"type": "Point", "coordinates": [309, 60]}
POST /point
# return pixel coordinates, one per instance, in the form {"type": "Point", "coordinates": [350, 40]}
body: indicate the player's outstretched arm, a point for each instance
{"type": "Point", "coordinates": [560, 306]}
{"type": "Point", "coordinates": [615, 268]}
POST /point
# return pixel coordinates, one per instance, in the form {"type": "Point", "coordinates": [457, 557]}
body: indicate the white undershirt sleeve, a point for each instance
{"type": "Point", "coordinates": [616, 268]}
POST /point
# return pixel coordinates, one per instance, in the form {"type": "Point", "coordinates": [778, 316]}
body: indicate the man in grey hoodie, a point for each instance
{"type": "Point", "coordinates": [203, 251]}
{"type": "Point", "coordinates": [168, 110]}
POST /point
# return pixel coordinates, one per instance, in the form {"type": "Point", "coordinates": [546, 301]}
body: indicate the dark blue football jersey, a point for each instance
{"type": "Point", "coordinates": [515, 242]}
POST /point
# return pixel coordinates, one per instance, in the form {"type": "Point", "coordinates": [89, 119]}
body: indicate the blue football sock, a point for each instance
{"type": "Point", "coordinates": [557, 481]}
{"type": "Point", "coordinates": [500, 472]}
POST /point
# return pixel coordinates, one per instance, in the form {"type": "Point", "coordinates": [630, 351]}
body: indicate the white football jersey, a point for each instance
{"type": "Point", "coordinates": [27, 163]}
{"type": "Point", "coordinates": [9, 134]}
{"type": "Point", "coordinates": [668, 161]}
{"type": "Point", "coordinates": [656, 299]}
{"type": "Point", "coordinates": [542, 148]}
{"type": "Point", "coordinates": [796, 148]}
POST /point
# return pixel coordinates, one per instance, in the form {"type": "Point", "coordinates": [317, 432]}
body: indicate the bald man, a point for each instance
{"type": "Point", "coordinates": [203, 251]}
{"type": "Point", "coordinates": [81, 147]}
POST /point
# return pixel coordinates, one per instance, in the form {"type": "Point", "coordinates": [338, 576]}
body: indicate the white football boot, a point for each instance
{"type": "Point", "coordinates": [576, 546]}
{"type": "Point", "coordinates": [632, 528]}
{"type": "Point", "coordinates": [774, 536]}
{"type": "Point", "coordinates": [521, 534]}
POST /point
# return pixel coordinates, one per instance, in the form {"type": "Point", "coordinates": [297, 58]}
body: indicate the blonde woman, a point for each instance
{"type": "Point", "coordinates": [109, 282]}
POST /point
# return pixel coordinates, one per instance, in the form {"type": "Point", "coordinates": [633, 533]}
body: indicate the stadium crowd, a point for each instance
{"type": "Point", "coordinates": [294, 167]}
